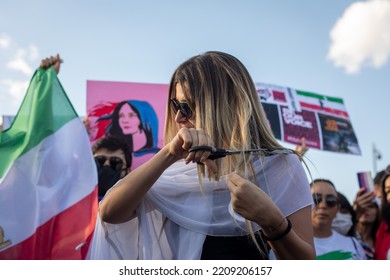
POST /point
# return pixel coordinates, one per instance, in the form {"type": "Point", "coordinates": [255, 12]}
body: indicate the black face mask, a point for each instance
{"type": "Point", "coordinates": [107, 177]}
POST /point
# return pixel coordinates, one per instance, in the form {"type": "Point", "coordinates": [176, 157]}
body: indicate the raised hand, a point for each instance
{"type": "Point", "coordinates": [54, 61]}
{"type": "Point", "coordinates": [302, 149]}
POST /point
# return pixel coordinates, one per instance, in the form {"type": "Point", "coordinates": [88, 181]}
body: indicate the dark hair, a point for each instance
{"type": "Point", "coordinates": [321, 180]}
{"type": "Point", "coordinates": [148, 124]}
{"type": "Point", "coordinates": [113, 143]}
{"type": "Point", "coordinates": [385, 204]}
{"type": "Point", "coordinates": [345, 204]}
{"type": "Point", "coordinates": [378, 177]}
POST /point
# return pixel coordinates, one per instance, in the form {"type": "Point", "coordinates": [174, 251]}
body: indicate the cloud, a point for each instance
{"type": "Point", "coordinates": [16, 89]}
{"type": "Point", "coordinates": [5, 41]}
{"type": "Point", "coordinates": [19, 62]}
{"type": "Point", "coordinates": [361, 36]}
{"type": "Point", "coordinates": [33, 52]}
{"type": "Point", "coordinates": [13, 86]}
{"type": "Point", "coordinates": [12, 96]}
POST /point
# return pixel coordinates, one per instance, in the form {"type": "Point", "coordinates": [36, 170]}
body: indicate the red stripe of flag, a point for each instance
{"type": "Point", "coordinates": [58, 238]}
{"type": "Point", "coordinates": [326, 109]}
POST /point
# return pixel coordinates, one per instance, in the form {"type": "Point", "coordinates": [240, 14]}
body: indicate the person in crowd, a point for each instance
{"type": "Point", "coordinates": [368, 211]}
{"type": "Point", "coordinates": [221, 187]}
{"type": "Point", "coordinates": [382, 243]}
{"type": "Point", "coordinates": [113, 161]}
{"type": "Point", "coordinates": [329, 244]}
{"type": "Point", "coordinates": [377, 184]}
{"type": "Point", "coordinates": [368, 220]}
{"type": "Point", "coordinates": [365, 197]}
{"type": "Point", "coordinates": [345, 220]}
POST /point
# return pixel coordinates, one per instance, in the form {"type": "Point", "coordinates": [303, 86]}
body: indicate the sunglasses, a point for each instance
{"type": "Point", "coordinates": [330, 199]}
{"type": "Point", "coordinates": [182, 107]}
{"type": "Point", "coordinates": [115, 162]}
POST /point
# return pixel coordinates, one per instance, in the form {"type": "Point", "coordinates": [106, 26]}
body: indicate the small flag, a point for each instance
{"type": "Point", "coordinates": [317, 102]}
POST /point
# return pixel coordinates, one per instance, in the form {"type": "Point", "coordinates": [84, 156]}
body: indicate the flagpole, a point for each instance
{"type": "Point", "coordinates": [376, 155]}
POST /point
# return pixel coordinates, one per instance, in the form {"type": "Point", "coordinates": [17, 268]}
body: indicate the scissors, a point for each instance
{"type": "Point", "coordinates": [219, 153]}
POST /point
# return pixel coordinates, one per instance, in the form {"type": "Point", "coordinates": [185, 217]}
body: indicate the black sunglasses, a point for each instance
{"type": "Point", "coordinates": [330, 199]}
{"type": "Point", "coordinates": [182, 107]}
{"type": "Point", "coordinates": [115, 162]}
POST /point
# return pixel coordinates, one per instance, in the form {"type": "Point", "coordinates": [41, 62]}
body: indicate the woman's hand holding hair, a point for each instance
{"type": "Point", "coordinates": [252, 203]}
{"type": "Point", "coordinates": [190, 137]}
{"type": "Point", "coordinates": [289, 239]}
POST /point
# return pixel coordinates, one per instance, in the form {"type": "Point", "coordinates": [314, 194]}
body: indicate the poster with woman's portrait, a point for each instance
{"type": "Point", "coordinates": [132, 111]}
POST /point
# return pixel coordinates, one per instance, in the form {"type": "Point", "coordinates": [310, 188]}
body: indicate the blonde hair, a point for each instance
{"type": "Point", "coordinates": [219, 89]}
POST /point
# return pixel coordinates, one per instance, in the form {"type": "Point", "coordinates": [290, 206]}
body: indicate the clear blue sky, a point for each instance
{"type": "Point", "coordinates": [287, 43]}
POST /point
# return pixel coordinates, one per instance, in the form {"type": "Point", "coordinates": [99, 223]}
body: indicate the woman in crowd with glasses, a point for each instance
{"type": "Point", "coordinates": [329, 244]}
{"type": "Point", "coordinates": [382, 244]}
{"type": "Point", "coordinates": [220, 163]}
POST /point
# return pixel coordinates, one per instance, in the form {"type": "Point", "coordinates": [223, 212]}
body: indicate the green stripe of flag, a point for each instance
{"type": "Point", "coordinates": [310, 94]}
{"type": "Point", "coordinates": [320, 97]}
{"type": "Point", "coordinates": [335, 100]}
{"type": "Point", "coordinates": [44, 110]}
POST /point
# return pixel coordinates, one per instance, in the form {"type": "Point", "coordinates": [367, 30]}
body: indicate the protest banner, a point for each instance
{"type": "Point", "coordinates": [292, 114]}
{"type": "Point", "coordinates": [322, 120]}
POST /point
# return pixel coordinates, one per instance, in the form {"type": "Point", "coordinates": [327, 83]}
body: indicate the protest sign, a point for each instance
{"type": "Point", "coordinates": [134, 111]}
{"type": "Point", "coordinates": [322, 120]}
{"type": "Point", "coordinates": [292, 114]}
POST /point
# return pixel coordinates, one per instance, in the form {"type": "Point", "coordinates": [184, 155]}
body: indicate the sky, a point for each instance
{"type": "Point", "coordinates": [337, 48]}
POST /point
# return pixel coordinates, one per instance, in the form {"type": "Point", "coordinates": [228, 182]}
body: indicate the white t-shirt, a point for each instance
{"type": "Point", "coordinates": [338, 247]}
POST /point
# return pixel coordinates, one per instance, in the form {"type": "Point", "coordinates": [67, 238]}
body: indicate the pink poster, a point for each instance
{"type": "Point", "coordinates": [134, 111]}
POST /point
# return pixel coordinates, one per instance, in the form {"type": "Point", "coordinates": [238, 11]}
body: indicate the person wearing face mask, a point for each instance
{"type": "Point", "coordinates": [345, 220]}
{"type": "Point", "coordinates": [113, 162]}
{"type": "Point", "coordinates": [329, 244]}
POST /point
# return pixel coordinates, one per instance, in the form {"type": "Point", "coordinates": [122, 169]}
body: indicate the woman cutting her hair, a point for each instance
{"type": "Point", "coordinates": [220, 188]}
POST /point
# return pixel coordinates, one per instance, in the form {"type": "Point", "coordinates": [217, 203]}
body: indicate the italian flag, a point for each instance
{"type": "Point", "coordinates": [317, 102]}
{"type": "Point", "coordinates": [48, 193]}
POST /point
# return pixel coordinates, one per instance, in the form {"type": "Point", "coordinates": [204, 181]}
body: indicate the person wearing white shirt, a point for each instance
{"type": "Point", "coordinates": [329, 244]}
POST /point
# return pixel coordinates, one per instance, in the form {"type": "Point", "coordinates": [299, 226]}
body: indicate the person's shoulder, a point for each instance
{"type": "Point", "coordinates": [281, 153]}
{"type": "Point", "coordinates": [338, 235]}
{"type": "Point", "coordinates": [383, 227]}
{"type": "Point", "coordinates": [293, 157]}
{"type": "Point", "coordinates": [343, 238]}
{"type": "Point", "coordinates": [288, 157]}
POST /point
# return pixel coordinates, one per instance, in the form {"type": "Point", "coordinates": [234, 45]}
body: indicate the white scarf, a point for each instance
{"type": "Point", "coordinates": [177, 214]}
